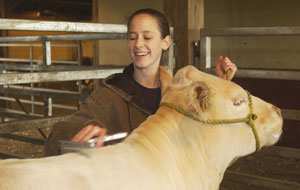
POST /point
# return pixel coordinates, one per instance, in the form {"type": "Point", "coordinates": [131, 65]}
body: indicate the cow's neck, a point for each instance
{"type": "Point", "coordinates": [187, 148]}
{"type": "Point", "coordinates": [226, 143]}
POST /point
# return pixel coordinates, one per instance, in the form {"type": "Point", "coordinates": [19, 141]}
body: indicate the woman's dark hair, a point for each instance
{"type": "Point", "coordinates": [162, 21]}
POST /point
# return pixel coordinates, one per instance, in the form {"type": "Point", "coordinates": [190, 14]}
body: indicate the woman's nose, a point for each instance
{"type": "Point", "coordinates": [139, 42]}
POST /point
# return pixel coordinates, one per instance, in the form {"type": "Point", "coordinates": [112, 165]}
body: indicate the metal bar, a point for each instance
{"type": "Point", "coordinates": [79, 59]}
{"type": "Point", "coordinates": [260, 181]}
{"type": "Point", "coordinates": [42, 92]}
{"type": "Point", "coordinates": [50, 107]}
{"type": "Point", "coordinates": [19, 112]}
{"type": "Point", "coordinates": [70, 37]}
{"type": "Point", "coordinates": [21, 106]}
{"type": "Point", "coordinates": [252, 31]}
{"type": "Point", "coordinates": [36, 25]}
{"type": "Point", "coordinates": [26, 67]}
{"type": "Point", "coordinates": [171, 61]}
{"type": "Point", "coordinates": [48, 53]}
{"type": "Point", "coordinates": [18, 60]}
{"type": "Point", "coordinates": [23, 138]}
{"type": "Point", "coordinates": [98, 36]}
{"type": "Point", "coordinates": [64, 62]}
{"type": "Point", "coordinates": [44, 52]}
{"type": "Point", "coordinates": [208, 52]}
{"type": "Point", "coordinates": [6, 114]}
{"type": "Point", "coordinates": [17, 78]}
{"type": "Point", "coordinates": [269, 74]}
{"type": "Point", "coordinates": [21, 39]}
{"type": "Point", "coordinates": [18, 45]}
{"type": "Point", "coordinates": [39, 103]}
{"type": "Point", "coordinates": [9, 113]}
{"type": "Point", "coordinates": [171, 58]}
{"type": "Point", "coordinates": [37, 61]}
{"type": "Point", "coordinates": [291, 114]}
{"type": "Point", "coordinates": [33, 45]}
{"type": "Point", "coordinates": [47, 62]}
{"type": "Point", "coordinates": [96, 60]}
{"type": "Point", "coordinates": [62, 45]}
{"type": "Point", "coordinates": [47, 106]}
{"type": "Point", "coordinates": [31, 84]}
{"type": "Point", "coordinates": [263, 74]}
{"type": "Point", "coordinates": [33, 124]}
{"type": "Point", "coordinates": [281, 151]}
{"type": "Point", "coordinates": [204, 52]}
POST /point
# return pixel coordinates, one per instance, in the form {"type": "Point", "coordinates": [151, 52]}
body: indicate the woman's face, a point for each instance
{"type": "Point", "coordinates": [145, 42]}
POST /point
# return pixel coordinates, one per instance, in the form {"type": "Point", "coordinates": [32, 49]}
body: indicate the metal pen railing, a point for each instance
{"type": "Point", "coordinates": [205, 55]}
{"type": "Point", "coordinates": [276, 151]}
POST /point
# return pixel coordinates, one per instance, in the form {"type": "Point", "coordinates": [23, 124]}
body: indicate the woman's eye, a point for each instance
{"type": "Point", "coordinates": [147, 38]}
{"type": "Point", "coordinates": [132, 37]}
{"type": "Point", "coordinates": [239, 102]}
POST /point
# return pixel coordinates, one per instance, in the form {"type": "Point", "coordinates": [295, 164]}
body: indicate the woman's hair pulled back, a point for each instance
{"type": "Point", "coordinates": [162, 21]}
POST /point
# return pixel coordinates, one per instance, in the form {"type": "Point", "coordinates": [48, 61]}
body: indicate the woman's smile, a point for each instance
{"type": "Point", "coordinates": [141, 54]}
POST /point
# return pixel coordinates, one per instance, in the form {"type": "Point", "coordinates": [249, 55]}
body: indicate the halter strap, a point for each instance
{"type": "Point", "coordinates": [249, 119]}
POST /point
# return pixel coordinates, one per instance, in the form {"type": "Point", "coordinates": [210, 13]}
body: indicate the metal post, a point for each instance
{"type": "Point", "coordinates": [48, 52]}
{"type": "Point", "coordinates": [171, 59]}
{"type": "Point", "coordinates": [196, 53]}
{"type": "Point", "coordinates": [31, 84]}
{"type": "Point", "coordinates": [205, 53]}
{"type": "Point", "coordinates": [95, 59]}
{"type": "Point", "coordinates": [208, 52]}
{"type": "Point", "coordinates": [79, 59]}
{"type": "Point", "coordinates": [47, 61]}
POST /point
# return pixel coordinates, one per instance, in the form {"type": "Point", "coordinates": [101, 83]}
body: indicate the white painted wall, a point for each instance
{"type": "Point", "coordinates": [115, 52]}
{"type": "Point", "coordinates": [255, 52]}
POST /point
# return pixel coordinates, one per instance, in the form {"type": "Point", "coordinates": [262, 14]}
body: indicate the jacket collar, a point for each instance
{"type": "Point", "coordinates": [124, 85]}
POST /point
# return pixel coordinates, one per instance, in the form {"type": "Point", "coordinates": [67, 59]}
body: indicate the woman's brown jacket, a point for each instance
{"type": "Point", "coordinates": [115, 105]}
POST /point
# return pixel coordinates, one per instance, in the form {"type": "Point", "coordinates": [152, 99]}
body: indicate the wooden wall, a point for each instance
{"type": "Point", "coordinates": [187, 17]}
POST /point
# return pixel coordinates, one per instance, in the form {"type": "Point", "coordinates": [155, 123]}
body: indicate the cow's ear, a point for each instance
{"type": "Point", "coordinates": [165, 76]}
{"type": "Point", "coordinates": [199, 97]}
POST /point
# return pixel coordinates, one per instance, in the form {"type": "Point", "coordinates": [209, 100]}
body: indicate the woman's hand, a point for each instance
{"type": "Point", "coordinates": [223, 66]}
{"type": "Point", "coordinates": [89, 132]}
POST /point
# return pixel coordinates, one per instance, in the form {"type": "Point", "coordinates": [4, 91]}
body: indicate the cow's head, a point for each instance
{"type": "Point", "coordinates": [211, 98]}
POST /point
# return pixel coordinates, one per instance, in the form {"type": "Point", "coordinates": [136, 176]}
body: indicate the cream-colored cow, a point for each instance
{"type": "Point", "coordinates": [171, 150]}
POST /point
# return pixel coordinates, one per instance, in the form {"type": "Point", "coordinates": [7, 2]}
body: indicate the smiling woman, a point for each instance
{"type": "Point", "coordinates": [146, 43]}
{"type": "Point", "coordinates": [125, 100]}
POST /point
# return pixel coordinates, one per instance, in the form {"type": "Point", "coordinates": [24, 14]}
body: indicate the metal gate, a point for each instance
{"type": "Point", "coordinates": [275, 167]}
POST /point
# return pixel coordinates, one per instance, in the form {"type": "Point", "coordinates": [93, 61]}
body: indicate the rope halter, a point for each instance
{"type": "Point", "coordinates": [249, 119]}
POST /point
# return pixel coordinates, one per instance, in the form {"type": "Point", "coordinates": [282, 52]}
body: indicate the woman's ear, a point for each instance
{"type": "Point", "coordinates": [166, 42]}
{"type": "Point", "coordinates": [165, 77]}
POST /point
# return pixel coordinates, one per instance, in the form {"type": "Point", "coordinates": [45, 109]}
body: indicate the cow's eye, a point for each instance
{"type": "Point", "coordinates": [239, 101]}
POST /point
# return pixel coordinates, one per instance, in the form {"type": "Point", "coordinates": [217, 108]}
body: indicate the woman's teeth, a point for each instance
{"type": "Point", "coordinates": [140, 53]}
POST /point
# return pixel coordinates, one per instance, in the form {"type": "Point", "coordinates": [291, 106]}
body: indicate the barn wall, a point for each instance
{"type": "Point", "coordinates": [255, 52]}
{"type": "Point", "coordinates": [276, 52]}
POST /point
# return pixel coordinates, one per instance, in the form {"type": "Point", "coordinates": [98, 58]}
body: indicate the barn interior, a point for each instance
{"type": "Point", "coordinates": [37, 54]}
